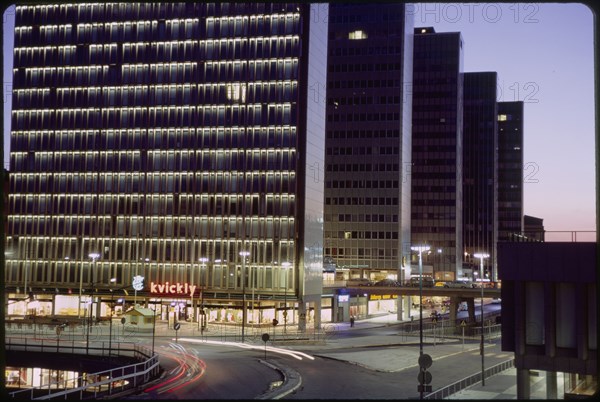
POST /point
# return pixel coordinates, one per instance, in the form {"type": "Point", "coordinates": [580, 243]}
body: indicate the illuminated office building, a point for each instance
{"type": "Point", "coordinates": [168, 138]}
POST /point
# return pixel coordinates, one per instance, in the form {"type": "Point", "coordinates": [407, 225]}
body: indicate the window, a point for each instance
{"type": "Point", "coordinates": [357, 35]}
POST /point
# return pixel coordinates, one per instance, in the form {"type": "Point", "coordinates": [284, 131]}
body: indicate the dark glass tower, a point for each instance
{"type": "Point", "coordinates": [480, 169]}
{"type": "Point", "coordinates": [510, 170]}
{"type": "Point", "coordinates": [437, 153]}
{"type": "Point", "coordinates": [367, 182]}
{"type": "Point", "coordinates": [167, 138]}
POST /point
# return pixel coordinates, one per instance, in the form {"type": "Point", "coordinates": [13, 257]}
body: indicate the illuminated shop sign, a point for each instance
{"type": "Point", "coordinates": [343, 298]}
{"type": "Point", "coordinates": [176, 289]}
{"type": "Point", "coordinates": [382, 297]}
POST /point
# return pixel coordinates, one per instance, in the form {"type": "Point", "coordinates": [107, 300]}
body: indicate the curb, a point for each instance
{"type": "Point", "coordinates": [291, 382]}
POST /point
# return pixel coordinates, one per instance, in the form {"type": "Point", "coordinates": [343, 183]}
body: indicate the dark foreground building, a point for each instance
{"type": "Point", "coordinates": [550, 314]}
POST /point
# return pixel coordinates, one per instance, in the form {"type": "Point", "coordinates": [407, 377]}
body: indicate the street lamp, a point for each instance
{"type": "Point", "coordinates": [244, 254]}
{"type": "Point", "coordinates": [112, 308]}
{"type": "Point", "coordinates": [203, 261]}
{"type": "Point", "coordinates": [94, 256]}
{"type": "Point", "coordinates": [420, 249]}
{"type": "Point", "coordinates": [481, 256]}
{"type": "Point", "coordinates": [285, 265]}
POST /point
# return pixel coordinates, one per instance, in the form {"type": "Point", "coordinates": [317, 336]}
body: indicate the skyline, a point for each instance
{"type": "Point", "coordinates": [543, 54]}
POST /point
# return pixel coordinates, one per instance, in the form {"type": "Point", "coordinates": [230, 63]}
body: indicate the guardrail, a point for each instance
{"type": "Point", "coordinates": [91, 385]}
{"type": "Point", "coordinates": [468, 381]}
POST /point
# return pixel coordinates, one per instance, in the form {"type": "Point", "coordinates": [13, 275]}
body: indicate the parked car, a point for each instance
{"type": "Point", "coordinates": [386, 282]}
{"type": "Point", "coordinates": [359, 282]}
{"type": "Point", "coordinates": [458, 284]}
{"type": "Point", "coordinates": [427, 281]}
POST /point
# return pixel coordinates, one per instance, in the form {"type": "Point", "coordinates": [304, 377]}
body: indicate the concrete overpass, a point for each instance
{"type": "Point", "coordinates": [456, 295]}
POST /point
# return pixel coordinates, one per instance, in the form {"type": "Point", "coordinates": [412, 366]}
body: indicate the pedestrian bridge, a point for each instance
{"type": "Point", "coordinates": [456, 295]}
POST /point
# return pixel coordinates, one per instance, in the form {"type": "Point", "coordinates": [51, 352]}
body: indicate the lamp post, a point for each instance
{"type": "Point", "coordinates": [420, 249]}
{"type": "Point", "coordinates": [112, 308]}
{"type": "Point", "coordinates": [244, 254]}
{"type": "Point", "coordinates": [285, 265]}
{"type": "Point", "coordinates": [94, 256]}
{"type": "Point", "coordinates": [202, 281]}
{"type": "Point", "coordinates": [481, 256]}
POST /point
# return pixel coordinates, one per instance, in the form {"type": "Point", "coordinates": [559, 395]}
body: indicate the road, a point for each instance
{"type": "Point", "coordinates": [215, 370]}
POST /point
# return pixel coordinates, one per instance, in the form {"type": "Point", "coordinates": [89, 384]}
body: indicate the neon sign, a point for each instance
{"type": "Point", "coordinates": [173, 288]}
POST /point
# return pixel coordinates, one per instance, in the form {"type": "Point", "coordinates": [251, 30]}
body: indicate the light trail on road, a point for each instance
{"type": "Point", "coordinates": [190, 369]}
{"type": "Point", "coordinates": [295, 354]}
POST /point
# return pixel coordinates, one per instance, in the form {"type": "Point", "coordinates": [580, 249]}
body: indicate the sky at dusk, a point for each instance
{"type": "Point", "coordinates": [543, 54]}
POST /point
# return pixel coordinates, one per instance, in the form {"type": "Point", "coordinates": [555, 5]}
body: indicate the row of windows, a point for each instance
{"type": "Point", "coordinates": [157, 28]}
{"type": "Point", "coordinates": [362, 150]}
{"type": "Point", "coordinates": [355, 134]}
{"type": "Point", "coordinates": [357, 184]}
{"type": "Point", "coordinates": [451, 230]}
{"type": "Point", "coordinates": [360, 218]}
{"type": "Point", "coordinates": [352, 50]}
{"type": "Point", "coordinates": [363, 167]}
{"type": "Point", "coordinates": [253, 115]}
{"type": "Point", "coordinates": [131, 161]}
{"type": "Point", "coordinates": [179, 204]}
{"type": "Point", "coordinates": [144, 52]}
{"type": "Point", "coordinates": [155, 182]}
{"type": "Point", "coordinates": [254, 228]}
{"type": "Point", "coordinates": [348, 117]}
{"type": "Point", "coordinates": [140, 95]}
{"type": "Point", "coordinates": [358, 252]}
{"type": "Point", "coordinates": [362, 235]}
{"type": "Point", "coordinates": [141, 74]}
{"type": "Point", "coordinates": [363, 67]}
{"type": "Point", "coordinates": [213, 276]}
{"type": "Point", "coordinates": [434, 189]}
{"type": "Point", "coordinates": [350, 84]}
{"type": "Point", "coordinates": [174, 138]}
{"type": "Point", "coordinates": [361, 201]}
{"type": "Point", "coordinates": [363, 100]}
{"type": "Point", "coordinates": [77, 250]}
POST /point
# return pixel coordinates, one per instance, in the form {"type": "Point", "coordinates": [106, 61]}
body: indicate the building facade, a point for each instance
{"type": "Point", "coordinates": [550, 314]}
{"type": "Point", "coordinates": [510, 170]}
{"type": "Point", "coordinates": [480, 170]}
{"type": "Point", "coordinates": [368, 141]}
{"type": "Point", "coordinates": [437, 150]}
{"type": "Point", "coordinates": [169, 142]}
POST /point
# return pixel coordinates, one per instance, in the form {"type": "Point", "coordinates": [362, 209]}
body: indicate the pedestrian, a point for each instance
{"type": "Point", "coordinates": [352, 321]}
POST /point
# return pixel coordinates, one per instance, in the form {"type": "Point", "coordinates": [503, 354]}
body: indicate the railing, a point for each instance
{"type": "Point", "coordinates": [94, 385]}
{"type": "Point", "coordinates": [555, 236]}
{"type": "Point", "coordinates": [467, 382]}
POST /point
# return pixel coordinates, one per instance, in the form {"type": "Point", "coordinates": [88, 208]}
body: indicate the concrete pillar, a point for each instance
{"type": "Point", "coordinates": [317, 318]}
{"type": "Point", "coordinates": [302, 311]}
{"type": "Point", "coordinates": [551, 387]}
{"type": "Point", "coordinates": [403, 308]}
{"type": "Point", "coordinates": [523, 385]}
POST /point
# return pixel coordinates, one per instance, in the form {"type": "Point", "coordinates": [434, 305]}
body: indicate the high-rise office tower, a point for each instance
{"type": "Point", "coordinates": [165, 141]}
{"type": "Point", "coordinates": [480, 169]}
{"type": "Point", "coordinates": [510, 170]}
{"type": "Point", "coordinates": [367, 187]}
{"type": "Point", "coordinates": [437, 142]}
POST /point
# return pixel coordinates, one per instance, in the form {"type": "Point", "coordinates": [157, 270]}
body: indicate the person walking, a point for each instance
{"type": "Point", "coordinates": [351, 321]}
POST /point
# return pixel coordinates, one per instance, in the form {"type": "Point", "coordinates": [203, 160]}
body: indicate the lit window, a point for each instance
{"type": "Point", "coordinates": [501, 117]}
{"type": "Point", "coordinates": [236, 92]}
{"type": "Point", "coordinates": [357, 35]}
{"type": "Point", "coordinates": [347, 235]}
